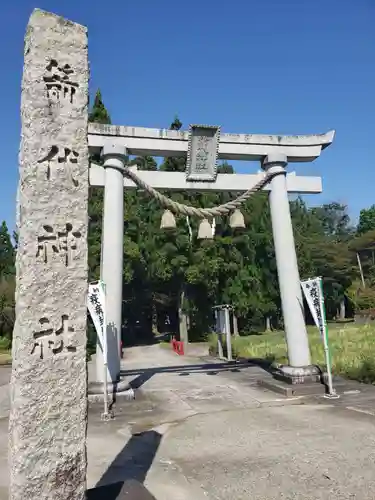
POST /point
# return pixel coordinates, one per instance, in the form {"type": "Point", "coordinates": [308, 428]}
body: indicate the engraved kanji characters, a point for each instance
{"type": "Point", "coordinates": [95, 301]}
{"type": "Point", "coordinates": [49, 340]}
{"type": "Point", "coordinates": [62, 243]}
{"type": "Point", "coordinates": [59, 155]}
{"type": "Point", "coordinates": [202, 153]}
{"type": "Point", "coordinates": [314, 291]}
{"type": "Point", "coordinates": [59, 83]}
{"type": "Point", "coordinates": [203, 149]}
{"type": "Point", "coordinates": [60, 88]}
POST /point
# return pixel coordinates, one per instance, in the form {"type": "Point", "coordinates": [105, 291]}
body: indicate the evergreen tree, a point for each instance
{"type": "Point", "coordinates": [182, 277]}
{"type": "Point", "coordinates": [144, 163]}
{"type": "Point", "coordinates": [7, 254]}
{"type": "Point", "coordinates": [99, 113]}
{"type": "Point", "coordinates": [15, 239]}
{"type": "Point", "coordinates": [7, 283]}
{"type": "Point", "coordinates": [174, 164]}
{"type": "Point", "coordinates": [7, 306]}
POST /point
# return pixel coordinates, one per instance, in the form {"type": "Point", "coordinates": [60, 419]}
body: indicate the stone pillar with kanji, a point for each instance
{"type": "Point", "coordinates": [48, 417]}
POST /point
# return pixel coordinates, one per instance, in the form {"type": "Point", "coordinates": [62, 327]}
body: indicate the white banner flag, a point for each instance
{"type": "Point", "coordinates": [312, 291]}
{"type": "Point", "coordinates": [96, 307]}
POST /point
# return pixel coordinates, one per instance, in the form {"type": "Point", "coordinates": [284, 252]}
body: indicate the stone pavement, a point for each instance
{"type": "Point", "coordinates": [200, 431]}
{"type": "Point", "coordinates": [209, 432]}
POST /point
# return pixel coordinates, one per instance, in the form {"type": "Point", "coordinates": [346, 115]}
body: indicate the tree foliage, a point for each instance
{"type": "Point", "coordinates": [99, 113]}
{"type": "Point", "coordinates": [7, 254]}
{"type": "Point", "coordinates": [174, 278]}
{"type": "Point", "coordinates": [7, 283]}
{"type": "Point", "coordinates": [171, 281]}
{"type": "Point", "coordinates": [366, 220]}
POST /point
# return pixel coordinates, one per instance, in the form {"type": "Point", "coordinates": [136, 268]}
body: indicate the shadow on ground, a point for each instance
{"type": "Point", "coordinates": [128, 490]}
{"type": "Point", "coordinates": [144, 374]}
{"type": "Point", "coordinates": [124, 477]}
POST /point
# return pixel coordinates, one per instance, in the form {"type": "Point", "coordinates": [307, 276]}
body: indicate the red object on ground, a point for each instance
{"type": "Point", "coordinates": [177, 346]}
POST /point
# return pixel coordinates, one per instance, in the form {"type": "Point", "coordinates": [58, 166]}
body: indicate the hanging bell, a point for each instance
{"type": "Point", "coordinates": [168, 220]}
{"type": "Point", "coordinates": [236, 220]}
{"type": "Point", "coordinates": [205, 230]}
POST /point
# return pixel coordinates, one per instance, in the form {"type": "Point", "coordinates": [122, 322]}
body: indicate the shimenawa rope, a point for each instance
{"type": "Point", "coordinates": [202, 213]}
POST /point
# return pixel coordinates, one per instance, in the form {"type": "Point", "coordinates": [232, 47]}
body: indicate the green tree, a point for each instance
{"type": "Point", "coordinates": [168, 254]}
{"type": "Point", "coordinates": [363, 249]}
{"type": "Point", "coordinates": [7, 283]}
{"type": "Point", "coordinates": [178, 275]}
{"type": "Point", "coordinates": [15, 239]}
{"type": "Point", "coordinates": [334, 219]}
{"type": "Point", "coordinates": [174, 164]}
{"type": "Point", "coordinates": [144, 163]}
{"type": "Point", "coordinates": [99, 113]}
{"type": "Point", "coordinates": [322, 235]}
{"type": "Point", "coordinates": [7, 306]}
{"type": "Point", "coordinates": [227, 270]}
{"type": "Point", "coordinates": [366, 220]}
{"type": "Point", "coordinates": [7, 253]}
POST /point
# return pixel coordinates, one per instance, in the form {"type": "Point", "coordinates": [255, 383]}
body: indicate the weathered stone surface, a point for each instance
{"type": "Point", "coordinates": [203, 150]}
{"type": "Point", "coordinates": [49, 381]}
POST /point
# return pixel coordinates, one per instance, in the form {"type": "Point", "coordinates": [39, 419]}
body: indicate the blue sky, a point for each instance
{"type": "Point", "coordinates": [252, 66]}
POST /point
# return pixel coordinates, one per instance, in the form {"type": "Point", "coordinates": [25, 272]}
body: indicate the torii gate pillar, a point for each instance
{"type": "Point", "coordinates": [299, 367]}
{"type": "Point", "coordinates": [112, 259]}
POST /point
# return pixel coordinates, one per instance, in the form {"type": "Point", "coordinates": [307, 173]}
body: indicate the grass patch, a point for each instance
{"type": "Point", "coordinates": [5, 358]}
{"type": "Point", "coordinates": [5, 344]}
{"type": "Point", "coordinates": [352, 349]}
{"type": "Point", "coordinates": [5, 351]}
{"type": "Point", "coordinates": [165, 345]}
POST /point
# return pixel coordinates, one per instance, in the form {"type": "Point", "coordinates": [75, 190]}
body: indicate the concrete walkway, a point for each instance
{"type": "Point", "coordinates": [209, 432]}
{"type": "Point", "coordinates": [199, 432]}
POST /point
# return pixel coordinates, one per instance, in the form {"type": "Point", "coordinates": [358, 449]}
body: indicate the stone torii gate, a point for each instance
{"type": "Point", "coordinates": [273, 152]}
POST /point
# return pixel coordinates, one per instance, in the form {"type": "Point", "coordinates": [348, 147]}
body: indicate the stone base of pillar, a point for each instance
{"type": "Point", "coordinates": [299, 375]}
{"type": "Point", "coordinates": [118, 390]}
{"type": "Point", "coordinates": [294, 382]}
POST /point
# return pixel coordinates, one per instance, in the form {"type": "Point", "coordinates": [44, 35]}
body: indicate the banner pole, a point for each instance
{"type": "Point", "coordinates": [105, 415]}
{"type": "Point", "coordinates": [331, 391]}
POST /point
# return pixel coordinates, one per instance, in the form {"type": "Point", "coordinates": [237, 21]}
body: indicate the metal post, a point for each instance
{"type": "Point", "coordinates": [106, 415]}
{"type": "Point", "coordinates": [228, 334]}
{"type": "Point", "coordinates": [218, 333]}
{"type": "Point", "coordinates": [220, 345]}
{"type": "Point", "coordinates": [331, 391]}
